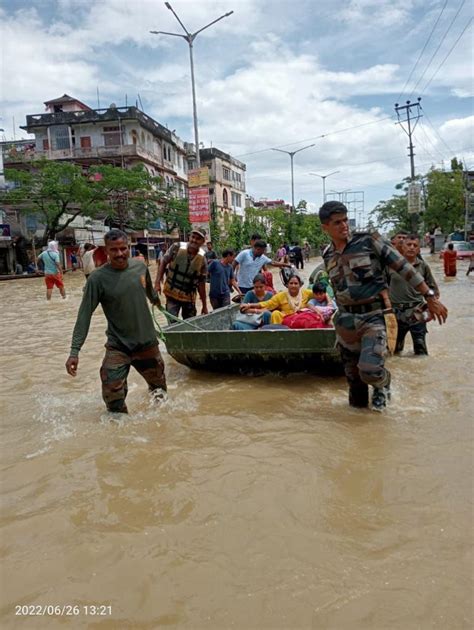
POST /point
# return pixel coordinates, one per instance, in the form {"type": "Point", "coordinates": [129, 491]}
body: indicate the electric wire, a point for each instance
{"type": "Point", "coordinates": [436, 131]}
{"type": "Point", "coordinates": [450, 51]}
{"type": "Point", "coordinates": [438, 47]}
{"type": "Point", "coordinates": [324, 135]}
{"type": "Point", "coordinates": [423, 50]}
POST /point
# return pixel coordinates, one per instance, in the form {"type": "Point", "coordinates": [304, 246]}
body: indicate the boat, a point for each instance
{"type": "Point", "coordinates": [21, 276]}
{"type": "Point", "coordinates": [206, 342]}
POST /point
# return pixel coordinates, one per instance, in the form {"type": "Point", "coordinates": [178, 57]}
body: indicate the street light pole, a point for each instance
{"type": "Point", "coordinates": [292, 155]}
{"type": "Point", "coordinates": [323, 177]}
{"type": "Point", "coordinates": [190, 37]}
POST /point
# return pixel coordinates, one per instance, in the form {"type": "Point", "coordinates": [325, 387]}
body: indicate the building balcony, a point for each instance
{"type": "Point", "coordinates": [101, 153]}
{"type": "Point", "coordinates": [97, 116]}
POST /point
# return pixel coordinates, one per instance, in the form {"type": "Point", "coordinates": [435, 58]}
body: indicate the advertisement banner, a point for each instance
{"type": "Point", "coordinates": [414, 198]}
{"type": "Point", "coordinates": [199, 205]}
{"type": "Point", "coordinates": [5, 234]}
{"type": "Point", "coordinates": [198, 177]}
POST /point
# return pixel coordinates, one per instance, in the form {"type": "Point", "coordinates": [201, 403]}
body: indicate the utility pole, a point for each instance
{"type": "Point", "coordinates": [292, 155]}
{"type": "Point", "coordinates": [190, 37]}
{"type": "Point", "coordinates": [405, 117]}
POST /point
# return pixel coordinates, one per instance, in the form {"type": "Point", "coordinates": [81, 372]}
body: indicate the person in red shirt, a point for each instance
{"type": "Point", "coordinates": [449, 259]}
{"type": "Point", "coordinates": [268, 280]}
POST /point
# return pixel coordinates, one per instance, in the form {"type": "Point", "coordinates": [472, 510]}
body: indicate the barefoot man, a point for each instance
{"type": "Point", "coordinates": [122, 287]}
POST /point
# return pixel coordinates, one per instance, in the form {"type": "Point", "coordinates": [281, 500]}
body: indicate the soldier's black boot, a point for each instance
{"type": "Point", "coordinates": [379, 399]}
{"type": "Point", "coordinates": [419, 345]}
{"type": "Point", "coordinates": [359, 396]}
{"type": "Point", "coordinates": [381, 396]}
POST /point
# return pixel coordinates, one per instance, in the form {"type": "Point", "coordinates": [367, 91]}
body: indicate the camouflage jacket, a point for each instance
{"type": "Point", "coordinates": [357, 273]}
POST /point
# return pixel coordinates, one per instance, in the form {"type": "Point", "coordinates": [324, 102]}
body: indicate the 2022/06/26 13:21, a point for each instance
{"type": "Point", "coordinates": [63, 610]}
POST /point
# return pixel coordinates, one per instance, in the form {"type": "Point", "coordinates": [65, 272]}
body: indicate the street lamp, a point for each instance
{"type": "Point", "coordinates": [190, 37]}
{"type": "Point", "coordinates": [323, 177]}
{"type": "Point", "coordinates": [292, 155]}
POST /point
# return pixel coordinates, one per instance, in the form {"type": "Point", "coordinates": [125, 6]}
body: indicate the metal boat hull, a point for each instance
{"type": "Point", "coordinates": [206, 342]}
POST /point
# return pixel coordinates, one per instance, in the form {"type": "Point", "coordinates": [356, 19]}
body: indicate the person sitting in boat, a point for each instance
{"type": "Point", "coordinates": [268, 280]}
{"type": "Point", "coordinates": [293, 299]}
{"type": "Point", "coordinates": [321, 303]}
{"type": "Point", "coordinates": [259, 293]}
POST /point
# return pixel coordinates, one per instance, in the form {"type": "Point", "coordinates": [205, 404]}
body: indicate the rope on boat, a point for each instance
{"type": "Point", "coordinates": [169, 316]}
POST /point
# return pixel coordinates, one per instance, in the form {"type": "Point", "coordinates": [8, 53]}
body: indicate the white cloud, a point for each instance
{"type": "Point", "coordinates": [270, 74]}
{"type": "Point", "coordinates": [458, 132]}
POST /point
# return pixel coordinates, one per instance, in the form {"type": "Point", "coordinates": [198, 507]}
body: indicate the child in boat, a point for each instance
{"type": "Point", "coordinates": [321, 303]}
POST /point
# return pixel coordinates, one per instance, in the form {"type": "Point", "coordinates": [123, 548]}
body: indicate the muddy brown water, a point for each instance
{"type": "Point", "coordinates": [243, 502]}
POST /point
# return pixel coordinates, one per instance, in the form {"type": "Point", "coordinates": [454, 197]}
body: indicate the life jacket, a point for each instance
{"type": "Point", "coordinates": [183, 275]}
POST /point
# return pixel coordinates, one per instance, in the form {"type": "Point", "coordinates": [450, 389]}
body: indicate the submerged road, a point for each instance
{"type": "Point", "coordinates": [243, 502]}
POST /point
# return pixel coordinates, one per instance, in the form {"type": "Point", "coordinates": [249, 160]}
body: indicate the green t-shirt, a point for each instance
{"type": "Point", "coordinates": [122, 294]}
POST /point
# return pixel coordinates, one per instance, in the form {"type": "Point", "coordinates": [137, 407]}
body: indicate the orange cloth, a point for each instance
{"type": "Point", "coordinates": [52, 280]}
{"type": "Point", "coordinates": [449, 259]}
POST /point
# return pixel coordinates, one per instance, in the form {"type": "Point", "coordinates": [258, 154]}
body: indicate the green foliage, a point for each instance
{"type": "Point", "coordinates": [235, 235]}
{"type": "Point", "coordinates": [58, 192]}
{"type": "Point", "coordinates": [394, 211]}
{"type": "Point", "coordinates": [276, 226]}
{"type": "Point", "coordinates": [444, 202]}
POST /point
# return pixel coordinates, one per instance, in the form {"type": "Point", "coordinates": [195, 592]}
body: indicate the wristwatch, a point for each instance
{"type": "Point", "coordinates": [429, 294]}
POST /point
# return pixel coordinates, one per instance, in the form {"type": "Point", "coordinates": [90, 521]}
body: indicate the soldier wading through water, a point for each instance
{"type": "Point", "coordinates": [356, 265]}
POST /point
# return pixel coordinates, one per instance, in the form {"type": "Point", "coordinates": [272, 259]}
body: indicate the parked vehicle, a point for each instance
{"type": "Point", "coordinates": [463, 249]}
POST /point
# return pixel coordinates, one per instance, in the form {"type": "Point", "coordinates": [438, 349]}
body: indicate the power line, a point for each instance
{"type": "Point", "coordinates": [450, 51]}
{"type": "Point", "coordinates": [424, 48]}
{"type": "Point", "coordinates": [344, 165]}
{"type": "Point", "coordinates": [422, 127]}
{"type": "Point", "coordinates": [436, 132]}
{"type": "Point", "coordinates": [438, 47]}
{"type": "Point", "coordinates": [324, 135]}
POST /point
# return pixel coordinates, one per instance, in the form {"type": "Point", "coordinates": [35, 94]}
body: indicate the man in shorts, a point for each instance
{"type": "Point", "coordinates": [53, 272]}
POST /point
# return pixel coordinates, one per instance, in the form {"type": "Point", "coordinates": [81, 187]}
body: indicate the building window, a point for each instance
{"type": "Point", "coordinates": [225, 198]}
{"type": "Point", "coordinates": [236, 200]}
{"type": "Point", "coordinates": [134, 137]}
{"type": "Point", "coordinates": [236, 177]}
{"type": "Point", "coordinates": [226, 173]}
{"type": "Point", "coordinates": [112, 136]}
{"type": "Point", "coordinates": [60, 137]}
{"type": "Point", "coordinates": [86, 142]}
{"type": "Point", "coordinates": [45, 144]}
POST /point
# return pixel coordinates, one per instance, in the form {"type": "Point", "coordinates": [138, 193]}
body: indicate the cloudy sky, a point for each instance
{"type": "Point", "coordinates": [276, 73]}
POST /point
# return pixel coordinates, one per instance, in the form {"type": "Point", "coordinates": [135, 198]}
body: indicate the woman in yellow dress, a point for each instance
{"type": "Point", "coordinates": [292, 299]}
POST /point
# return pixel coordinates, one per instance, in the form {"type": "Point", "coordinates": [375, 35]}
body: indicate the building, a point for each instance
{"type": "Point", "coordinates": [70, 130]}
{"type": "Point", "coordinates": [272, 204]}
{"type": "Point", "coordinates": [122, 136]}
{"type": "Point", "coordinates": [227, 184]}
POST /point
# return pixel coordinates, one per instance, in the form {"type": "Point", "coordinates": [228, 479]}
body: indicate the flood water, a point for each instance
{"type": "Point", "coordinates": [243, 502]}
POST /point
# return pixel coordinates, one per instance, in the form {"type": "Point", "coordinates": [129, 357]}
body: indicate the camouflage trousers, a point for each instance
{"type": "Point", "coordinates": [362, 341]}
{"type": "Point", "coordinates": [407, 324]}
{"type": "Point", "coordinates": [116, 366]}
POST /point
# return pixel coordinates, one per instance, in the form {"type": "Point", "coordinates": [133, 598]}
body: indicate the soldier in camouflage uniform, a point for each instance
{"type": "Point", "coordinates": [122, 287]}
{"type": "Point", "coordinates": [406, 301]}
{"type": "Point", "coordinates": [356, 267]}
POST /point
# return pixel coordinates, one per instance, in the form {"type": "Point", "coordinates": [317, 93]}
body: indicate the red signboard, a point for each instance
{"type": "Point", "coordinates": [199, 205]}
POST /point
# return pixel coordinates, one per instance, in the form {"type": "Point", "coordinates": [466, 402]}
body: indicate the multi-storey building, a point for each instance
{"type": "Point", "coordinates": [227, 183]}
{"type": "Point", "coordinates": [124, 136]}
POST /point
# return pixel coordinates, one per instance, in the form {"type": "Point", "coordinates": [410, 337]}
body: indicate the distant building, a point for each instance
{"type": "Point", "coordinates": [123, 136]}
{"type": "Point", "coordinates": [227, 184]}
{"type": "Point", "coordinates": [271, 203]}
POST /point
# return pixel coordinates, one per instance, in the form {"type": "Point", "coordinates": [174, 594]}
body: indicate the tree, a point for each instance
{"type": "Point", "coordinates": [58, 192]}
{"type": "Point", "coordinates": [394, 211]}
{"type": "Point", "coordinates": [445, 200]}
